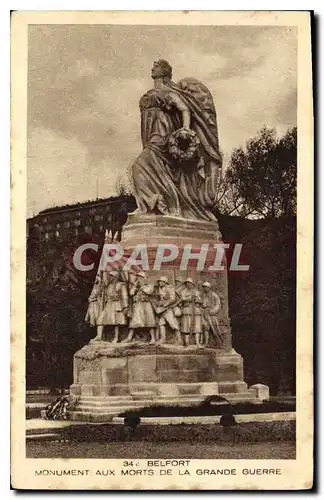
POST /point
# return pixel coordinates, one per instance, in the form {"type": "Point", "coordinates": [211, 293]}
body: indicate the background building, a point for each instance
{"type": "Point", "coordinates": [89, 218]}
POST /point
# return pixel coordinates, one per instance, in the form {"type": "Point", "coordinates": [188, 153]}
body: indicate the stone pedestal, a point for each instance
{"type": "Point", "coordinates": [261, 391]}
{"type": "Point", "coordinates": [112, 379]}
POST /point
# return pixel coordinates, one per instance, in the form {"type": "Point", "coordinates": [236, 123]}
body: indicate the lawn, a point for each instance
{"type": "Point", "coordinates": [131, 449]}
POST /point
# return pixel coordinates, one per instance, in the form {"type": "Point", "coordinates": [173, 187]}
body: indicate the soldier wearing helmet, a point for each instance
{"type": "Point", "coordinates": [142, 316]}
{"type": "Point", "coordinates": [164, 309]}
{"type": "Point", "coordinates": [190, 321]}
{"type": "Point", "coordinates": [211, 306]}
{"type": "Point", "coordinates": [115, 312]}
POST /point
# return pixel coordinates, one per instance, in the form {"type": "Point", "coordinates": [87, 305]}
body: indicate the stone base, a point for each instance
{"type": "Point", "coordinates": [153, 230]}
{"type": "Point", "coordinates": [111, 379]}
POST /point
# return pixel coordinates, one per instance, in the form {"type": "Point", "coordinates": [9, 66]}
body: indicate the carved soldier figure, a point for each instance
{"type": "Point", "coordinates": [179, 285]}
{"type": "Point", "coordinates": [95, 302]}
{"type": "Point", "coordinates": [142, 313]}
{"type": "Point", "coordinates": [164, 308]}
{"type": "Point", "coordinates": [190, 321]}
{"type": "Point", "coordinates": [211, 305]}
{"type": "Point", "coordinates": [115, 312]}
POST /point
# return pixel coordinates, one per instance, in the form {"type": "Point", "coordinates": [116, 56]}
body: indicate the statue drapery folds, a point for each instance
{"type": "Point", "coordinates": [163, 185]}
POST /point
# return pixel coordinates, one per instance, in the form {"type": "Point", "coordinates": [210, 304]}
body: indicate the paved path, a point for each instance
{"type": "Point", "coordinates": [38, 423]}
{"type": "Point", "coordinates": [213, 419]}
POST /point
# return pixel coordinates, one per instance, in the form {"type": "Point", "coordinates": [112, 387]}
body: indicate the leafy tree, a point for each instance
{"type": "Point", "coordinates": [262, 300]}
{"type": "Point", "coordinates": [261, 178]}
{"type": "Point", "coordinates": [228, 200]}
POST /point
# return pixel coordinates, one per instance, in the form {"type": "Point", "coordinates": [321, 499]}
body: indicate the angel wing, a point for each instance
{"type": "Point", "coordinates": [203, 96]}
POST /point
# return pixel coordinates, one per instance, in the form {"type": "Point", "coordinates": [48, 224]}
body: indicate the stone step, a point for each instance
{"type": "Point", "coordinates": [115, 407]}
{"type": "Point", "coordinates": [208, 388]}
{"type": "Point", "coordinates": [139, 404]}
{"type": "Point", "coordinates": [109, 406]}
{"type": "Point", "coordinates": [116, 404]}
{"type": "Point", "coordinates": [137, 399]}
{"type": "Point", "coordinates": [136, 395]}
{"type": "Point", "coordinates": [105, 412]}
{"type": "Point", "coordinates": [161, 399]}
{"type": "Point", "coordinates": [232, 387]}
{"type": "Point", "coordinates": [88, 416]}
{"type": "Point", "coordinates": [146, 395]}
{"type": "Point", "coordinates": [97, 398]}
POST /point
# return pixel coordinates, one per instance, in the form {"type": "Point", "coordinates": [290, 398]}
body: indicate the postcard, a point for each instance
{"type": "Point", "coordinates": [162, 250]}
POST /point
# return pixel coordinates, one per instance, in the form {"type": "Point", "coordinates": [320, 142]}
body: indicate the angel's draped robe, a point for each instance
{"type": "Point", "coordinates": [162, 185]}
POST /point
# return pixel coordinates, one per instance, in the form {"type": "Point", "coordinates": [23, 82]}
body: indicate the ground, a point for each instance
{"type": "Point", "coordinates": [53, 449]}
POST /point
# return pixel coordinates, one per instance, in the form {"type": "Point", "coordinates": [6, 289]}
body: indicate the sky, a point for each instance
{"type": "Point", "coordinates": [85, 81]}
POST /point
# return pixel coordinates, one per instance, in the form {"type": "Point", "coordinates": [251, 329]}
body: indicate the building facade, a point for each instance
{"type": "Point", "coordinates": [83, 219]}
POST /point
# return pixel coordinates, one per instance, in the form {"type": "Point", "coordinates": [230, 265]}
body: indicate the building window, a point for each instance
{"type": "Point", "coordinates": [88, 229]}
{"type": "Point", "coordinates": [92, 211]}
{"type": "Point", "coordinates": [47, 236]}
{"type": "Point", "coordinates": [77, 222]}
{"type": "Point", "coordinates": [78, 214]}
{"type": "Point", "coordinates": [101, 227]}
{"type": "Point", "coordinates": [48, 227]}
{"type": "Point", "coordinates": [76, 231]}
{"type": "Point", "coordinates": [57, 234]}
{"type": "Point", "coordinates": [58, 226]}
{"type": "Point", "coordinates": [66, 224]}
{"type": "Point", "coordinates": [98, 217]}
{"type": "Point", "coordinates": [45, 220]}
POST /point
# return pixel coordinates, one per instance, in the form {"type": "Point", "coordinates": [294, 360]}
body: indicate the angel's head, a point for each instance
{"type": "Point", "coordinates": [161, 69]}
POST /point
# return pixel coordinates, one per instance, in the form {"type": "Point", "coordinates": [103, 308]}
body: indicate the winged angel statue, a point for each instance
{"type": "Point", "coordinates": [176, 172]}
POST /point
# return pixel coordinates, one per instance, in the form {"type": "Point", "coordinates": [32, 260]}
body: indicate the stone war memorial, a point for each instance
{"type": "Point", "coordinates": [162, 333]}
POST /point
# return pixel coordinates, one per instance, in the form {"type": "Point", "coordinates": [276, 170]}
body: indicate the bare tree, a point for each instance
{"type": "Point", "coordinates": [121, 185]}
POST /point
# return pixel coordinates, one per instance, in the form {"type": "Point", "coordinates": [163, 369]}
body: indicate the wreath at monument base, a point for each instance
{"type": "Point", "coordinates": [183, 145]}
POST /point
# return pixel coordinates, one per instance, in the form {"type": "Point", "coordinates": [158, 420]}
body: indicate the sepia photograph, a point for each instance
{"type": "Point", "coordinates": [163, 205]}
